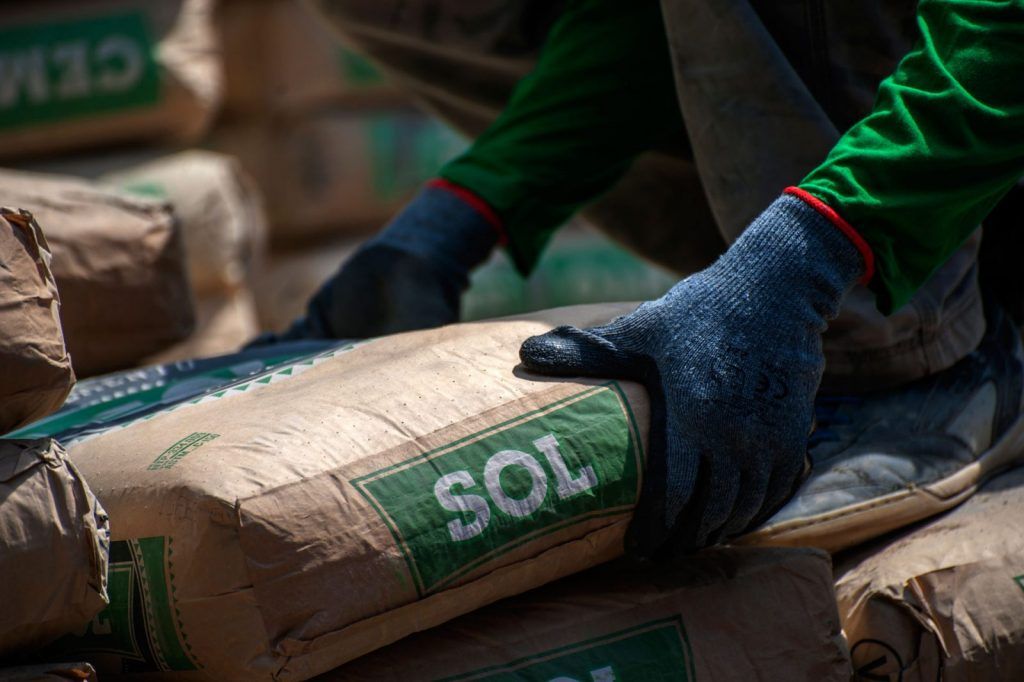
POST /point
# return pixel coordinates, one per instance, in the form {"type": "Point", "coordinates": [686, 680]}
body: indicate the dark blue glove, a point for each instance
{"type": "Point", "coordinates": [409, 276]}
{"type": "Point", "coordinates": [732, 359]}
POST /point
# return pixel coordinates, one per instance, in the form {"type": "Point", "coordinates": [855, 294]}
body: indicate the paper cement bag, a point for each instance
{"type": "Point", "coordinates": [37, 374]}
{"type": "Point", "coordinates": [944, 600]}
{"type": "Point", "coordinates": [308, 68]}
{"type": "Point", "coordinates": [94, 72]}
{"type": "Point", "coordinates": [101, 403]}
{"type": "Point", "coordinates": [334, 506]}
{"type": "Point", "coordinates": [119, 264]}
{"type": "Point", "coordinates": [629, 622]}
{"type": "Point", "coordinates": [54, 538]}
{"type": "Point", "coordinates": [338, 172]}
{"type": "Point", "coordinates": [220, 209]}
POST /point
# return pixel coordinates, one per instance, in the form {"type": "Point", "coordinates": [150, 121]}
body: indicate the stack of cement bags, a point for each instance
{"type": "Point", "coordinates": [53, 532]}
{"type": "Point", "coordinates": [292, 522]}
{"type": "Point", "coordinates": [85, 79]}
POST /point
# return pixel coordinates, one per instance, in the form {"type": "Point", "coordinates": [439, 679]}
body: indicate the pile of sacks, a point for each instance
{"type": "Point", "coordinates": [417, 506]}
{"type": "Point", "coordinates": [412, 507]}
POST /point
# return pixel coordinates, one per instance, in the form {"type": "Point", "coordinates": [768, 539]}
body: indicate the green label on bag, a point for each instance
{"type": "Point", "coordinates": [140, 623]}
{"type": "Point", "coordinates": [1020, 581]}
{"type": "Point", "coordinates": [172, 455]}
{"type": "Point", "coordinates": [655, 651]}
{"type": "Point", "coordinates": [71, 69]}
{"type": "Point", "coordinates": [463, 504]}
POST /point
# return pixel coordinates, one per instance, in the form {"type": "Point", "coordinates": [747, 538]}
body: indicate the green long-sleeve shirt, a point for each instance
{"type": "Point", "coordinates": [944, 142]}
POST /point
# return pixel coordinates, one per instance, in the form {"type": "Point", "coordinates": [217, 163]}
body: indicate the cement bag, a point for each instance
{"type": "Point", "coordinates": [944, 600]}
{"type": "Point", "coordinates": [338, 172]}
{"type": "Point", "coordinates": [101, 403]}
{"type": "Point", "coordinates": [220, 209]}
{"type": "Point", "coordinates": [636, 623]}
{"type": "Point", "coordinates": [308, 68]}
{"type": "Point", "coordinates": [119, 263]}
{"type": "Point", "coordinates": [224, 323]}
{"type": "Point", "coordinates": [36, 369]}
{"type": "Point", "coordinates": [334, 506]}
{"type": "Point", "coordinates": [54, 537]}
{"type": "Point", "coordinates": [88, 73]}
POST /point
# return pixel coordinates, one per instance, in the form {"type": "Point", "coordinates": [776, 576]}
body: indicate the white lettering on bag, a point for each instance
{"type": "Point", "coordinates": [473, 504]}
{"type": "Point", "coordinates": [114, 65]}
{"type": "Point", "coordinates": [538, 482]}
{"type": "Point", "coordinates": [567, 485]}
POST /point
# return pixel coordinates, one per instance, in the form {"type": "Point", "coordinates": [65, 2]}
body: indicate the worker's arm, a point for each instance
{"type": "Point", "coordinates": [601, 93]}
{"type": "Point", "coordinates": [944, 143]}
{"type": "Point", "coordinates": [732, 355]}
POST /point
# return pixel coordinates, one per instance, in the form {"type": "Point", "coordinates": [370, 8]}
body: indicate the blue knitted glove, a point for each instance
{"type": "Point", "coordinates": [411, 275]}
{"type": "Point", "coordinates": [732, 359]}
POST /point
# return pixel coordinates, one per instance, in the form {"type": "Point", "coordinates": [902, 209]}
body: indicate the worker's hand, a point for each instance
{"type": "Point", "coordinates": [409, 276]}
{"type": "Point", "coordinates": [732, 359]}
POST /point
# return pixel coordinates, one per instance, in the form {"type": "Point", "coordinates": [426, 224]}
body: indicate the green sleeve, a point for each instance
{"type": "Point", "coordinates": [601, 93]}
{"type": "Point", "coordinates": [944, 142]}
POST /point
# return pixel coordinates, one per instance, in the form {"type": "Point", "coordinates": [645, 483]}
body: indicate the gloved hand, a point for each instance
{"type": "Point", "coordinates": [411, 275]}
{"type": "Point", "coordinates": [732, 359]}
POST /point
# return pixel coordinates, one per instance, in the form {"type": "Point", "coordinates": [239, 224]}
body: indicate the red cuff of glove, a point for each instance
{"type": "Point", "coordinates": [478, 204]}
{"type": "Point", "coordinates": [829, 214]}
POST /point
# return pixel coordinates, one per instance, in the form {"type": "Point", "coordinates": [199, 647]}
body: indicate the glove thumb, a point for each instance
{"type": "Point", "coordinates": [568, 351]}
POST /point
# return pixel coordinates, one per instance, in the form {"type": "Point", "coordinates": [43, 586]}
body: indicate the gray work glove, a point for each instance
{"type": "Point", "coordinates": [732, 359]}
{"type": "Point", "coordinates": [409, 276]}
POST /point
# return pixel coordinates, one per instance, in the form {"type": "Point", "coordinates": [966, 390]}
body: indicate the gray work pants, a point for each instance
{"type": "Point", "coordinates": [765, 88]}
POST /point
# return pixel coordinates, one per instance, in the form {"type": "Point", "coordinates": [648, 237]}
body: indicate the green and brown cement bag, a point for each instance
{"type": "Point", "coordinates": [944, 600]}
{"type": "Point", "coordinates": [79, 74]}
{"type": "Point", "coordinates": [119, 264]}
{"type": "Point", "coordinates": [287, 525]}
{"type": "Point", "coordinates": [726, 614]}
{"type": "Point", "coordinates": [53, 546]}
{"type": "Point", "coordinates": [34, 362]}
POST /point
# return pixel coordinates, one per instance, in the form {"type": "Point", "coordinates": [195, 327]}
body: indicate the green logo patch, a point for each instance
{"type": "Point", "coordinates": [458, 506]}
{"type": "Point", "coordinates": [139, 624]}
{"type": "Point", "coordinates": [171, 456]}
{"type": "Point", "coordinates": [72, 69]}
{"type": "Point", "coordinates": [655, 651]}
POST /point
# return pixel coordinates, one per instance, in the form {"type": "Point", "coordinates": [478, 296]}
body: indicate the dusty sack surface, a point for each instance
{"type": "Point", "coordinates": [310, 516]}
{"type": "Point", "coordinates": [628, 621]}
{"type": "Point", "coordinates": [37, 374]}
{"type": "Point", "coordinates": [944, 600]}
{"type": "Point", "coordinates": [119, 263]}
{"type": "Point", "coordinates": [54, 536]}
{"type": "Point", "coordinates": [95, 72]}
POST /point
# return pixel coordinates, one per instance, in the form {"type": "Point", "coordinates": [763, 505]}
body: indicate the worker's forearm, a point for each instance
{"type": "Point", "coordinates": [944, 143]}
{"type": "Point", "coordinates": [601, 93]}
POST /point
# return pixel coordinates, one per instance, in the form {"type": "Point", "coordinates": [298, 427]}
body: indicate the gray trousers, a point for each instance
{"type": "Point", "coordinates": [765, 88]}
